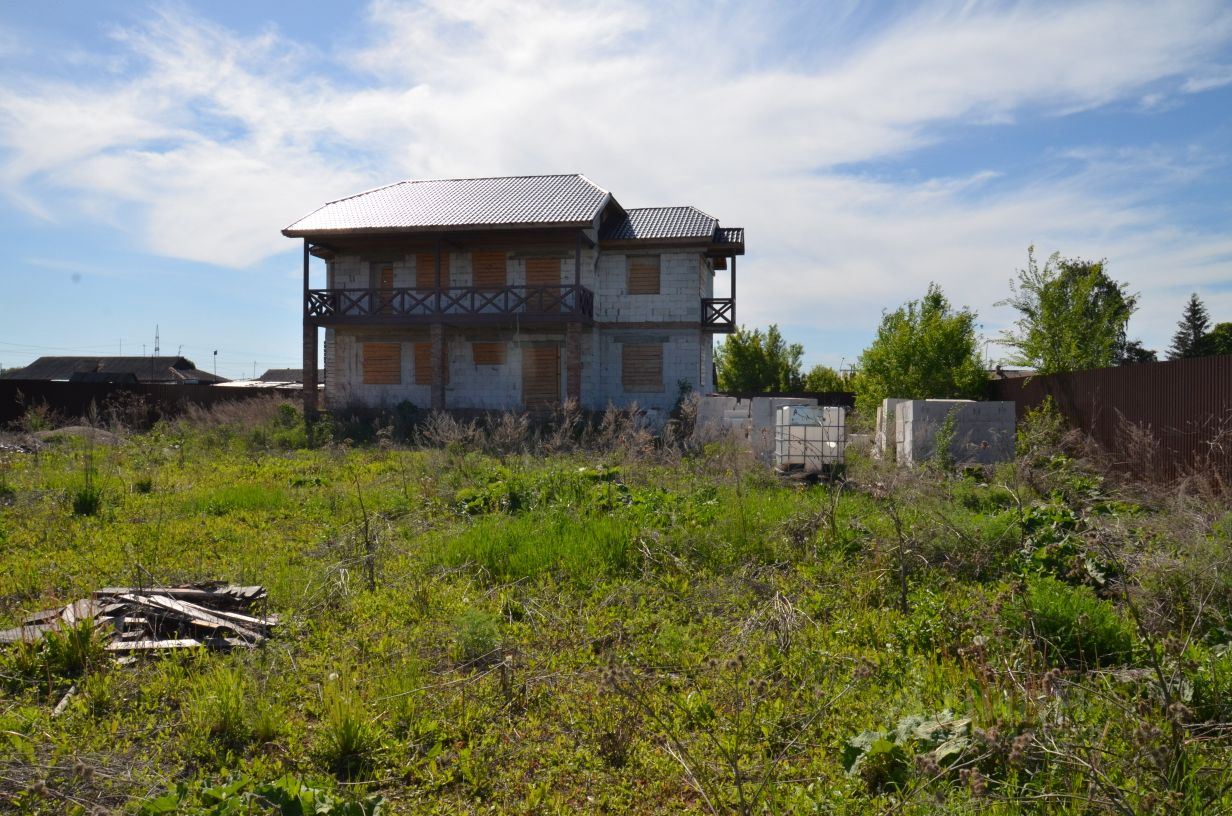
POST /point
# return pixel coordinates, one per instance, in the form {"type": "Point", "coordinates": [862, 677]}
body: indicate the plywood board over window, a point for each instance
{"type": "Point", "coordinates": [643, 274]}
{"type": "Point", "coordinates": [488, 270]}
{"type": "Point", "coordinates": [540, 376]}
{"type": "Point", "coordinates": [543, 272]}
{"type": "Point", "coordinates": [425, 270]}
{"type": "Point", "coordinates": [488, 353]}
{"type": "Point", "coordinates": [385, 286]}
{"type": "Point", "coordinates": [641, 367]}
{"type": "Point", "coordinates": [382, 363]}
{"type": "Point", "coordinates": [423, 364]}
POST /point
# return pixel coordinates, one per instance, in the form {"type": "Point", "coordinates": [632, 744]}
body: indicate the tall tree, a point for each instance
{"type": "Point", "coordinates": [1187, 342]}
{"type": "Point", "coordinates": [824, 378]}
{"type": "Point", "coordinates": [923, 349]}
{"type": "Point", "coordinates": [752, 361]}
{"type": "Point", "coordinates": [1073, 315]}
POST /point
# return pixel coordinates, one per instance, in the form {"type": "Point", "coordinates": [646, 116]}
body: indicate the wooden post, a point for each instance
{"type": "Point", "coordinates": [573, 361]}
{"type": "Point", "coordinates": [438, 276]}
{"type": "Point", "coordinates": [438, 365]}
{"type": "Point", "coordinates": [733, 291]}
{"type": "Point", "coordinates": [310, 353]}
{"type": "Point", "coordinates": [577, 261]}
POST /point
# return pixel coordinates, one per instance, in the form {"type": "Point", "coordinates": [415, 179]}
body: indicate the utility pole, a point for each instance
{"type": "Point", "coordinates": [215, 362]}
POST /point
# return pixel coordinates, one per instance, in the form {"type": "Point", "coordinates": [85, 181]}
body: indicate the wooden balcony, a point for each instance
{"type": "Point", "coordinates": [462, 305]}
{"type": "Point", "coordinates": [719, 315]}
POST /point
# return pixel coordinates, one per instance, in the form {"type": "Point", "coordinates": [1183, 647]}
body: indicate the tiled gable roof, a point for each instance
{"type": "Point", "coordinates": [660, 222]}
{"type": "Point", "coordinates": [458, 203]}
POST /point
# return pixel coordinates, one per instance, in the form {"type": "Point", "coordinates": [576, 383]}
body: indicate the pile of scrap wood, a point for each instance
{"type": "Point", "coordinates": [152, 619]}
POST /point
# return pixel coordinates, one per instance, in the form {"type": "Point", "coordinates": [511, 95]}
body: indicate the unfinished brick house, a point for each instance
{"type": "Point", "coordinates": [512, 293]}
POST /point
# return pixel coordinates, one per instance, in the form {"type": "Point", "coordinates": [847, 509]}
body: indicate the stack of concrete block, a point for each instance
{"type": "Point", "coordinates": [884, 442]}
{"type": "Point", "coordinates": [983, 432]}
{"type": "Point", "coordinates": [748, 419]}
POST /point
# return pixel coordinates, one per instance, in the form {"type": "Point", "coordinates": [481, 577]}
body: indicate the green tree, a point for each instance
{"type": "Point", "coordinates": [1073, 316]}
{"type": "Point", "coordinates": [923, 349]}
{"type": "Point", "coordinates": [1187, 342]}
{"type": "Point", "coordinates": [824, 378]}
{"type": "Point", "coordinates": [1134, 352]}
{"type": "Point", "coordinates": [1218, 340]}
{"type": "Point", "coordinates": [752, 361]}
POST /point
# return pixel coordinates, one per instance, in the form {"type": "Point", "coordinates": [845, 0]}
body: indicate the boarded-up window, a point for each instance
{"type": "Point", "coordinates": [425, 270]}
{"type": "Point", "coordinates": [386, 277]}
{"type": "Point", "coordinates": [641, 367]}
{"type": "Point", "coordinates": [385, 286]}
{"type": "Point", "coordinates": [644, 275]}
{"type": "Point", "coordinates": [488, 353]}
{"type": "Point", "coordinates": [382, 363]}
{"type": "Point", "coordinates": [540, 376]}
{"type": "Point", "coordinates": [423, 363]}
{"type": "Point", "coordinates": [543, 272]}
{"type": "Point", "coordinates": [488, 269]}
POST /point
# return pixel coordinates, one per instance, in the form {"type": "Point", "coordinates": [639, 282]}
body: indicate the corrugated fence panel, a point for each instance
{"type": "Point", "coordinates": [1184, 405]}
{"type": "Point", "coordinates": [70, 400]}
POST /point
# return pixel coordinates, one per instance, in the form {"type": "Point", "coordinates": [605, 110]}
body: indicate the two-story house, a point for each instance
{"type": "Point", "coordinates": [512, 293]}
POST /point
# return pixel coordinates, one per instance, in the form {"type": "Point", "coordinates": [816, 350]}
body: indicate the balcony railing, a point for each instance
{"type": "Point", "coordinates": [467, 304]}
{"type": "Point", "coordinates": [719, 314]}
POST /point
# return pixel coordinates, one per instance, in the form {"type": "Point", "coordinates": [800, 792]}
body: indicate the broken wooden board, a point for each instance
{"type": "Point", "coordinates": [28, 633]}
{"type": "Point", "coordinates": [153, 645]}
{"type": "Point", "coordinates": [192, 614]}
{"type": "Point", "coordinates": [148, 620]}
{"type": "Point", "coordinates": [225, 595]}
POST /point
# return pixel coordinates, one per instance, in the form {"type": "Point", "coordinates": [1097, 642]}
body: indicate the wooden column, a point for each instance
{"type": "Point", "coordinates": [577, 262]}
{"type": "Point", "coordinates": [437, 297]}
{"type": "Point", "coordinates": [438, 365]}
{"type": "Point", "coordinates": [310, 352]}
{"type": "Point", "coordinates": [573, 361]}
{"type": "Point", "coordinates": [733, 290]}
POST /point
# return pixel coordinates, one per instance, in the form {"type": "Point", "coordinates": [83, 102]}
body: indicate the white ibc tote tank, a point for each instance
{"type": "Point", "coordinates": [811, 438]}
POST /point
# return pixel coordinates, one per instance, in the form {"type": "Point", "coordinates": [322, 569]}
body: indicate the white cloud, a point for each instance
{"type": "Point", "coordinates": [211, 141]}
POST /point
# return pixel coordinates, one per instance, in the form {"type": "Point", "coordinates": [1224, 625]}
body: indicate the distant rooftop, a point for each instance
{"type": "Point", "coordinates": [114, 369]}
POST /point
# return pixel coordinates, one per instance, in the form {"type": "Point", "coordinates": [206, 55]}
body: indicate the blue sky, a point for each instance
{"type": "Point", "coordinates": [150, 153]}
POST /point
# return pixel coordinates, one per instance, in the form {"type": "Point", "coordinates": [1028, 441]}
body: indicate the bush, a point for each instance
{"type": "Point", "coordinates": [1071, 625]}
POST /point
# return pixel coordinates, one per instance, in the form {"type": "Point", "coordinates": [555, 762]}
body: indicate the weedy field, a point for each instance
{"type": "Point", "coordinates": [494, 621]}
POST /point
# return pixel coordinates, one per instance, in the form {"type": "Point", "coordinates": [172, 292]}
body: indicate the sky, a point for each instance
{"type": "Point", "coordinates": [150, 153]}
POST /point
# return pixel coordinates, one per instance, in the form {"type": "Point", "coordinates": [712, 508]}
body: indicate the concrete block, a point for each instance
{"type": "Point", "coordinates": [885, 442]}
{"type": "Point", "coordinates": [983, 431]}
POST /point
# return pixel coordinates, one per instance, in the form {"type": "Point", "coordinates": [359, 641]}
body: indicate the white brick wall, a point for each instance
{"type": "Point", "coordinates": [679, 297]}
{"type": "Point", "coordinates": [685, 278]}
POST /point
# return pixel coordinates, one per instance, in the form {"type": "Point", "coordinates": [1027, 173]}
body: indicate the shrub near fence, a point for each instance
{"type": "Point", "coordinates": [68, 399]}
{"type": "Point", "coordinates": [1179, 411]}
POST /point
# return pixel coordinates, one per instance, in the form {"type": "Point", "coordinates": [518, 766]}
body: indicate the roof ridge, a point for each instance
{"type": "Point", "coordinates": [677, 207]}
{"type": "Point", "coordinates": [466, 178]}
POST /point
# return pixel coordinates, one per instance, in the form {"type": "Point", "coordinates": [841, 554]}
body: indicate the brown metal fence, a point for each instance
{"type": "Point", "coordinates": [1184, 406]}
{"type": "Point", "coordinates": [69, 400]}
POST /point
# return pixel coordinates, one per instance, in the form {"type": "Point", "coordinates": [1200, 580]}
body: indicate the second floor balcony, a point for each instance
{"type": "Point", "coordinates": [460, 305]}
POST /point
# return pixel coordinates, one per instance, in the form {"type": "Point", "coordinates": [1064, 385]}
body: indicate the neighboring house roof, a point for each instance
{"type": "Point", "coordinates": [114, 369]}
{"type": "Point", "coordinates": [415, 206]}
{"type": "Point", "coordinates": [660, 222]}
{"type": "Point", "coordinates": [103, 377]}
{"type": "Point", "coordinates": [295, 375]}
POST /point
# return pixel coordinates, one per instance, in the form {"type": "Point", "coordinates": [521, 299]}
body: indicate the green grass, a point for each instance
{"type": "Point", "coordinates": [592, 632]}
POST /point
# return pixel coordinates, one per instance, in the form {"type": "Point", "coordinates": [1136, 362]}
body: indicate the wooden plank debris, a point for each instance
{"type": "Point", "coordinates": [150, 620]}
